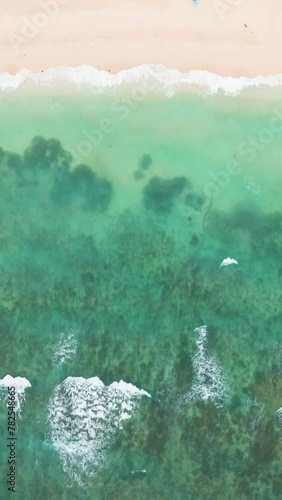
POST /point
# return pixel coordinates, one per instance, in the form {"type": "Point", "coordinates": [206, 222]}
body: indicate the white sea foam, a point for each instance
{"type": "Point", "coordinates": [279, 414]}
{"type": "Point", "coordinates": [84, 416]}
{"type": "Point", "coordinates": [65, 349]}
{"type": "Point", "coordinates": [208, 383]}
{"type": "Point", "coordinates": [227, 262]}
{"type": "Point", "coordinates": [20, 384]}
{"type": "Point", "coordinates": [149, 76]}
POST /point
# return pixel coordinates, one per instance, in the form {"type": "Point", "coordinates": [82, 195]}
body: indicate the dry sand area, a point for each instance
{"type": "Point", "coordinates": [227, 37]}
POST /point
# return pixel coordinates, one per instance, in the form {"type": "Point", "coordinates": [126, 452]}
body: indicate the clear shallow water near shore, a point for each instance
{"type": "Point", "coordinates": [111, 270]}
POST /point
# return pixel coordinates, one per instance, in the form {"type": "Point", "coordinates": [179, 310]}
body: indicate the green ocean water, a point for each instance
{"type": "Point", "coordinates": [109, 265]}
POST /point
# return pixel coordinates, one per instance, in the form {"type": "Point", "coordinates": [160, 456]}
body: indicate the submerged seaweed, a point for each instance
{"type": "Point", "coordinates": [195, 200]}
{"type": "Point", "coordinates": [82, 186]}
{"type": "Point", "coordinates": [159, 194]}
{"type": "Point", "coordinates": [46, 162]}
{"type": "Point", "coordinates": [260, 232]}
{"type": "Point", "coordinates": [145, 162]}
{"type": "Point", "coordinates": [46, 154]}
{"type": "Point", "coordinates": [133, 290]}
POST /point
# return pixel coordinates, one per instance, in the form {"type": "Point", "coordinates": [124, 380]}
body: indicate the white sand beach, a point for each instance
{"type": "Point", "coordinates": [227, 37]}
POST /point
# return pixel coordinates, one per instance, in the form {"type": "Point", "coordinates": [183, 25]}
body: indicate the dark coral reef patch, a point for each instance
{"type": "Point", "coordinates": [82, 186]}
{"type": "Point", "coordinates": [145, 163]}
{"type": "Point", "coordinates": [159, 194]}
{"type": "Point", "coordinates": [46, 162]}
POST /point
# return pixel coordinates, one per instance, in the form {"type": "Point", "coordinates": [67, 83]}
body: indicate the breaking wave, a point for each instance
{"type": "Point", "coordinates": [20, 384]}
{"type": "Point", "coordinates": [209, 383]}
{"type": "Point", "coordinates": [279, 414]}
{"type": "Point", "coordinates": [84, 416]}
{"type": "Point", "coordinates": [155, 77]}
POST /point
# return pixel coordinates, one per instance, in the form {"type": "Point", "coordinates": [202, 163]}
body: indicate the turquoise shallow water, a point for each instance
{"type": "Point", "coordinates": [109, 268]}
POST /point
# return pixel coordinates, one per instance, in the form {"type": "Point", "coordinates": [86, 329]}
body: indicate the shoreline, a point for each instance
{"type": "Point", "coordinates": [141, 80]}
{"type": "Point", "coordinates": [243, 40]}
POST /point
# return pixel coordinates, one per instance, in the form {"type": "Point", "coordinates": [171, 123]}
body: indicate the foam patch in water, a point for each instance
{"type": "Point", "coordinates": [209, 383]}
{"type": "Point", "coordinates": [279, 414]}
{"type": "Point", "coordinates": [227, 262]}
{"type": "Point", "coordinates": [84, 416]}
{"type": "Point", "coordinates": [65, 349]}
{"type": "Point", "coordinates": [20, 384]}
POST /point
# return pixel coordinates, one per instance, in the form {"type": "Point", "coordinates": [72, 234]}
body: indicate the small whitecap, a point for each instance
{"type": "Point", "coordinates": [279, 414]}
{"type": "Point", "coordinates": [20, 384]}
{"type": "Point", "coordinates": [227, 262]}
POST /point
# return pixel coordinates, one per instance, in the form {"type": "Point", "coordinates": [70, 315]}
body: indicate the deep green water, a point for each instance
{"type": "Point", "coordinates": [117, 262]}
